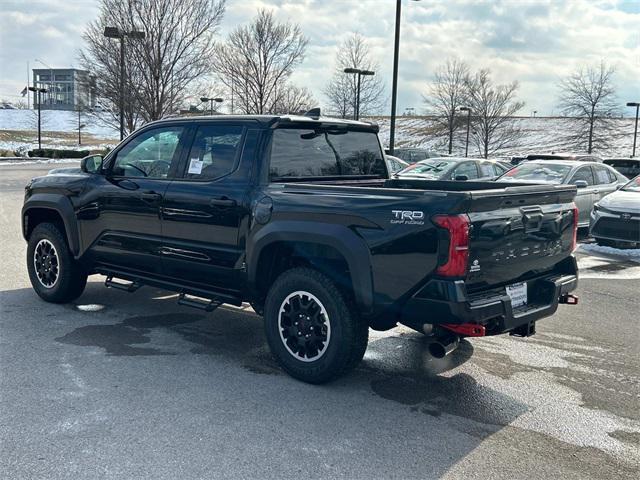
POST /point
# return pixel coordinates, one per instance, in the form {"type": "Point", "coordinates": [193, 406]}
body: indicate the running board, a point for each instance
{"type": "Point", "coordinates": [200, 303]}
{"type": "Point", "coordinates": [125, 286]}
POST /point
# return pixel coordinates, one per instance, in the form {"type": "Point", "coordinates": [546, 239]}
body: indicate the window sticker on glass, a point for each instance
{"type": "Point", "coordinates": [195, 166]}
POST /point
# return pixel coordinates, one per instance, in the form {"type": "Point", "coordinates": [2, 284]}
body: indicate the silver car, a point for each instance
{"type": "Point", "coordinates": [594, 180]}
{"type": "Point", "coordinates": [454, 168]}
{"type": "Point", "coordinates": [616, 218]}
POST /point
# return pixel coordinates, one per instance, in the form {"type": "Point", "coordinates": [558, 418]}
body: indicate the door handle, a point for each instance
{"type": "Point", "coordinates": [151, 196]}
{"type": "Point", "coordinates": [223, 202]}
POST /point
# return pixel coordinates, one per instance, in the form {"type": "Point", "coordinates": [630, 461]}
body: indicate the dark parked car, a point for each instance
{"type": "Point", "coordinates": [556, 156]}
{"type": "Point", "coordinates": [296, 215]}
{"type": "Point", "coordinates": [594, 181]}
{"type": "Point", "coordinates": [413, 155]}
{"type": "Point", "coordinates": [616, 218]}
{"type": "Point", "coordinates": [451, 168]}
{"type": "Point", "coordinates": [629, 167]}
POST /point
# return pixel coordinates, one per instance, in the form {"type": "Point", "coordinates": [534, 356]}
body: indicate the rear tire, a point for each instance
{"type": "Point", "coordinates": [55, 275]}
{"type": "Point", "coordinates": [312, 328]}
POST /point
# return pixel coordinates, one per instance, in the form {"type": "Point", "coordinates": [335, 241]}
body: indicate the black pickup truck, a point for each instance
{"type": "Point", "coordinates": [297, 216]}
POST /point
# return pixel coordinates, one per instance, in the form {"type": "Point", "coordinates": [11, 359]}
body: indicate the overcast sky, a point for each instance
{"type": "Point", "coordinates": [534, 42]}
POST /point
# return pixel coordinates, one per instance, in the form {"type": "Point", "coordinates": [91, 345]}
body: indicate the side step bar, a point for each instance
{"type": "Point", "coordinates": [126, 286]}
{"type": "Point", "coordinates": [198, 302]}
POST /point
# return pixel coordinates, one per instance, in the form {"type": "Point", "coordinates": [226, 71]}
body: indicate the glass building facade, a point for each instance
{"type": "Point", "coordinates": [67, 88]}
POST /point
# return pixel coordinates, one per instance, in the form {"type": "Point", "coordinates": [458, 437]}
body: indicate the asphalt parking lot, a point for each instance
{"type": "Point", "coordinates": [123, 385]}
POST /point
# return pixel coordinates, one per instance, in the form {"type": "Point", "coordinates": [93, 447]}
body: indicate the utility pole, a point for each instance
{"type": "Point", "coordinates": [39, 91]}
{"type": "Point", "coordinates": [115, 32]}
{"type": "Point", "coordinates": [635, 131]}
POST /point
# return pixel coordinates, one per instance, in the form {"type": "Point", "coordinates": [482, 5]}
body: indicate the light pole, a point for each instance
{"type": "Point", "coordinates": [211, 100]}
{"type": "Point", "coordinates": [394, 86]}
{"type": "Point", "coordinates": [39, 90]}
{"type": "Point", "coordinates": [635, 131]}
{"type": "Point", "coordinates": [115, 32]}
{"type": "Point", "coordinates": [360, 74]}
{"type": "Point", "coordinates": [468, 110]}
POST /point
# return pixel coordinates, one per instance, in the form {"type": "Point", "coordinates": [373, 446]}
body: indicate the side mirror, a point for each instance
{"type": "Point", "coordinates": [581, 184]}
{"type": "Point", "coordinates": [91, 164]}
{"type": "Point", "coordinates": [461, 178]}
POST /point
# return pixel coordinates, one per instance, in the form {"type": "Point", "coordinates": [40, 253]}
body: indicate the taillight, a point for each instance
{"type": "Point", "coordinates": [458, 228]}
{"type": "Point", "coordinates": [574, 241]}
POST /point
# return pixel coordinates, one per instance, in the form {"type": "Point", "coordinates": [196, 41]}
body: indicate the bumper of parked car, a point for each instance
{"type": "Point", "coordinates": [615, 226]}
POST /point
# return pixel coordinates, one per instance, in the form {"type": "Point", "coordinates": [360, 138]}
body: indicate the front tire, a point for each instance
{"type": "Point", "coordinates": [312, 328]}
{"type": "Point", "coordinates": [54, 273]}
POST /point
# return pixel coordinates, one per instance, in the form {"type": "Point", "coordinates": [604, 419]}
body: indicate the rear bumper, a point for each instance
{"type": "Point", "coordinates": [447, 302]}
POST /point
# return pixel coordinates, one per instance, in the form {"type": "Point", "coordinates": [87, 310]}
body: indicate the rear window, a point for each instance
{"type": "Point", "coordinates": [325, 153]}
{"type": "Point", "coordinates": [538, 172]}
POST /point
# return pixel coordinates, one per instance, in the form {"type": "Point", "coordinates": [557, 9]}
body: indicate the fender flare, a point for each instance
{"type": "Point", "coordinates": [345, 241]}
{"type": "Point", "coordinates": [60, 204]}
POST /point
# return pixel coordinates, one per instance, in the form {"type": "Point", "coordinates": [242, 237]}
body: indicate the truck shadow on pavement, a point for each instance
{"type": "Point", "coordinates": [396, 367]}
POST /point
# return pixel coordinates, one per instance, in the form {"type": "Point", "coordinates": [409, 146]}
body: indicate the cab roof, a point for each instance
{"type": "Point", "coordinates": [274, 121]}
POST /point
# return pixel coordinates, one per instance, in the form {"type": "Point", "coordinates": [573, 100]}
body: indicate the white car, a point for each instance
{"type": "Point", "coordinates": [616, 218]}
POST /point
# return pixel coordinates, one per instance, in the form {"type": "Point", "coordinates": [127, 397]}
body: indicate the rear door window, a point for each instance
{"type": "Point", "coordinates": [601, 175]}
{"type": "Point", "coordinates": [486, 170]}
{"type": "Point", "coordinates": [301, 152]}
{"type": "Point", "coordinates": [468, 169]}
{"type": "Point", "coordinates": [214, 151]}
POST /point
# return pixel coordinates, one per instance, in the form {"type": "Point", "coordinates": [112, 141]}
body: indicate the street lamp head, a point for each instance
{"type": "Point", "coordinates": [218, 100]}
{"type": "Point", "coordinates": [465, 109]}
{"type": "Point", "coordinates": [367, 72]}
{"type": "Point", "coordinates": [633, 104]}
{"type": "Point", "coordinates": [36, 89]}
{"type": "Point", "coordinates": [112, 32]}
{"type": "Point", "coordinates": [204, 99]}
{"type": "Point", "coordinates": [351, 70]}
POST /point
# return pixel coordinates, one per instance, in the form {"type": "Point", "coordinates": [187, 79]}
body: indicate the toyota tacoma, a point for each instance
{"type": "Point", "coordinates": [297, 216]}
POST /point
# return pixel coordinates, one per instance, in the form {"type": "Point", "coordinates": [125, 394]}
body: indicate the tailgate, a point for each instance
{"type": "Point", "coordinates": [516, 243]}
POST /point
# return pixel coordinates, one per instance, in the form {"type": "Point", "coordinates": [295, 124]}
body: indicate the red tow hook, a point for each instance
{"type": "Point", "coordinates": [466, 329]}
{"type": "Point", "coordinates": [569, 299]}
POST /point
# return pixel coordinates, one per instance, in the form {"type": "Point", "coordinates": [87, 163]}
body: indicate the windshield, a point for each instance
{"type": "Point", "coordinates": [537, 172]}
{"type": "Point", "coordinates": [435, 168]}
{"type": "Point", "coordinates": [633, 185]}
{"type": "Point", "coordinates": [325, 152]}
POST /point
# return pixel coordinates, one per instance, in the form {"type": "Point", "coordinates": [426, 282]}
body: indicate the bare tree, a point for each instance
{"type": "Point", "coordinates": [588, 95]}
{"type": "Point", "coordinates": [493, 107]}
{"type": "Point", "coordinates": [446, 94]}
{"type": "Point", "coordinates": [293, 99]}
{"type": "Point", "coordinates": [176, 50]}
{"type": "Point", "coordinates": [257, 59]}
{"type": "Point", "coordinates": [342, 88]}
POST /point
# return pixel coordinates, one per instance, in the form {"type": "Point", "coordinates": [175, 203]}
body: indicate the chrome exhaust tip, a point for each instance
{"type": "Point", "coordinates": [444, 346]}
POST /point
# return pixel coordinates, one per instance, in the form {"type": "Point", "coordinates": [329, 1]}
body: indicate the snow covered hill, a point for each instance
{"type": "Point", "coordinates": [540, 135]}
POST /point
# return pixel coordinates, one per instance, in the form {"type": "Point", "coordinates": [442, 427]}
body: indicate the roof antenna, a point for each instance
{"type": "Point", "coordinates": [313, 113]}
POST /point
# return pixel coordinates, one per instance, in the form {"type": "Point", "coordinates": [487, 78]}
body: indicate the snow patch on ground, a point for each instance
{"type": "Point", "coordinates": [36, 162]}
{"type": "Point", "coordinates": [632, 254]}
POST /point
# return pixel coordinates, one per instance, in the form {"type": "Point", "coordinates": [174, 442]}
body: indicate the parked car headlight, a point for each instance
{"type": "Point", "coordinates": [599, 208]}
